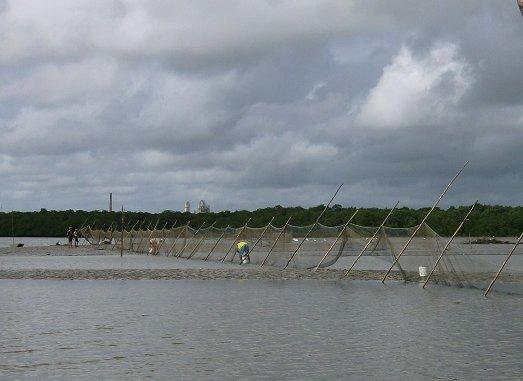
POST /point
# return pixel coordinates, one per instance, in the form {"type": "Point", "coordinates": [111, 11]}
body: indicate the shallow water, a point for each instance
{"type": "Point", "coordinates": [255, 330]}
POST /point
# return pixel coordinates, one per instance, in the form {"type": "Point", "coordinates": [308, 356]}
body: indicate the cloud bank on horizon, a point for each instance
{"type": "Point", "coordinates": [248, 104]}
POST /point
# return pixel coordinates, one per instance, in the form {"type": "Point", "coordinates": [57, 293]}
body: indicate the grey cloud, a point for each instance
{"type": "Point", "coordinates": [249, 104]}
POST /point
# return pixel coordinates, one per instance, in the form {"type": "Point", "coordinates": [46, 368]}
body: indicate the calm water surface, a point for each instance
{"type": "Point", "coordinates": [256, 330]}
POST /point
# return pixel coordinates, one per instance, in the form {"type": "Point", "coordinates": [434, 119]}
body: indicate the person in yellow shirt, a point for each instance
{"type": "Point", "coordinates": [242, 248]}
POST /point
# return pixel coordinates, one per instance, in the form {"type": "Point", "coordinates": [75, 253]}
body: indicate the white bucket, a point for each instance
{"type": "Point", "coordinates": [423, 271]}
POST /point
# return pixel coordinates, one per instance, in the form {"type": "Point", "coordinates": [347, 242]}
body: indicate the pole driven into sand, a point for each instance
{"type": "Point", "coordinates": [163, 240]}
{"type": "Point", "coordinates": [193, 251]}
{"type": "Point", "coordinates": [371, 239]}
{"type": "Point", "coordinates": [276, 241]}
{"type": "Point", "coordinates": [142, 237]}
{"type": "Point", "coordinates": [313, 226]}
{"type": "Point", "coordinates": [151, 234]}
{"type": "Point", "coordinates": [131, 235]}
{"type": "Point", "coordinates": [182, 230]}
{"type": "Point", "coordinates": [503, 265]}
{"type": "Point", "coordinates": [190, 240]}
{"type": "Point", "coordinates": [423, 222]}
{"type": "Point", "coordinates": [236, 239]}
{"type": "Point", "coordinates": [336, 240]}
{"type": "Point", "coordinates": [448, 244]}
{"type": "Point", "coordinates": [139, 230]}
{"type": "Point", "coordinates": [216, 243]}
{"type": "Point", "coordinates": [261, 235]}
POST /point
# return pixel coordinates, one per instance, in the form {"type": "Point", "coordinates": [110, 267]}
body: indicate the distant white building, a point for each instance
{"type": "Point", "coordinates": [187, 207]}
{"type": "Point", "coordinates": [203, 207]}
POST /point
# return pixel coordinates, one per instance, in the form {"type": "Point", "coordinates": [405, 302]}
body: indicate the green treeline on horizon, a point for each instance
{"type": "Point", "coordinates": [485, 220]}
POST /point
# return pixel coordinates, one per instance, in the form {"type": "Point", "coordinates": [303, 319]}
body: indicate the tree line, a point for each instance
{"type": "Point", "coordinates": [485, 220]}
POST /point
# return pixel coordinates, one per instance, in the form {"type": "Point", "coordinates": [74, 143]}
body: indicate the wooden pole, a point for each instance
{"type": "Point", "coordinates": [423, 222]}
{"type": "Point", "coordinates": [190, 240]}
{"type": "Point", "coordinates": [235, 239]}
{"type": "Point", "coordinates": [179, 235]}
{"type": "Point", "coordinates": [312, 228]}
{"type": "Point", "coordinates": [151, 234]}
{"type": "Point", "coordinates": [503, 265]}
{"type": "Point", "coordinates": [123, 227]}
{"type": "Point", "coordinates": [371, 239]}
{"type": "Point", "coordinates": [261, 236]}
{"type": "Point", "coordinates": [336, 240]}
{"type": "Point", "coordinates": [131, 235]}
{"type": "Point", "coordinates": [161, 243]}
{"type": "Point", "coordinates": [448, 244]}
{"type": "Point", "coordinates": [115, 243]}
{"type": "Point", "coordinates": [161, 235]}
{"type": "Point", "coordinates": [276, 241]}
{"type": "Point", "coordinates": [193, 251]}
{"type": "Point", "coordinates": [216, 243]}
{"type": "Point", "coordinates": [138, 230]}
{"type": "Point", "coordinates": [143, 236]}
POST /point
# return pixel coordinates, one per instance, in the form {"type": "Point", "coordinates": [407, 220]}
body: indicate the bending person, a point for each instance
{"type": "Point", "coordinates": [243, 251]}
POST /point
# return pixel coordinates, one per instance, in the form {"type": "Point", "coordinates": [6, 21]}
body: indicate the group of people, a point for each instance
{"type": "Point", "coordinates": [242, 249]}
{"type": "Point", "coordinates": [72, 236]}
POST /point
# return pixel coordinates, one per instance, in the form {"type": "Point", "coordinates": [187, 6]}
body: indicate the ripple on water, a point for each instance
{"type": "Point", "coordinates": [257, 330]}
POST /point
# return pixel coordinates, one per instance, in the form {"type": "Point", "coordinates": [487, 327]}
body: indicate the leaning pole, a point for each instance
{"type": "Point", "coordinates": [313, 226]}
{"type": "Point", "coordinates": [503, 265]}
{"type": "Point", "coordinates": [423, 222]}
{"type": "Point", "coordinates": [448, 244]}
{"type": "Point", "coordinates": [336, 240]}
{"type": "Point", "coordinates": [371, 239]}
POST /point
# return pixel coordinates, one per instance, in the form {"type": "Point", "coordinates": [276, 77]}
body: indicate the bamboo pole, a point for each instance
{"type": "Point", "coordinates": [176, 239]}
{"type": "Point", "coordinates": [115, 226]}
{"type": "Point", "coordinates": [262, 234]}
{"type": "Point", "coordinates": [336, 240]}
{"type": "Point", "coordinates": [161, 234]}
{"type": "Point", "coordinates": [371, 239]}
{"type": "Point", "coordinates": [115, 243]}
{"type": "Point", "coordinates": [123, 227]}
{"type": "Point", "coordinates": [151, 234]}
{"type": "Point", "coordinates": [312, 227]}
{"type": "Point", "coordinates": [109, 229]}
{"type": "Point", "coordinates": [143, 236]}
{"type": "Point", "coordinates": [138, 230]}
{"type": "Point", "coordinates": [190, 240]}
{"type": "Point", "coordinates": [448, 244]}
{"type": "Point", "coordinates": [193, 251]}
{"type": "Point", "coordinates": [423, 222]}
{"type": "Point", "coordinates": [276, 241]}
{"type": "Point", "coordinates": [216, 243]}
{"type": "Point", "coordinates": [131, 235]}
{"type": "Point", "coordinates": [235, 239]}
{"type": "Point", "coordinates": [161, 243]}
{"type": "Point", "coordinates": [503, 265]}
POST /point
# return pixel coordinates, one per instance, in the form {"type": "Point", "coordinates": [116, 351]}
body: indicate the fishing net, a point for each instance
{"type": "Point", "coordinates": [306, 247]}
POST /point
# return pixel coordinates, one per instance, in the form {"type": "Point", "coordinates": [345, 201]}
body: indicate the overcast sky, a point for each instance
{"type": "Point", "coordinates": [248, 104]}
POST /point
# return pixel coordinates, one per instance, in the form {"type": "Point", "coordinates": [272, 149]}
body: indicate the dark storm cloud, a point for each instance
{"type": "Point", "coordinates": [255, 103]}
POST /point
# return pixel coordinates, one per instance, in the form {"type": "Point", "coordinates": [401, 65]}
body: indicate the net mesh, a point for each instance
{"type": "Point", "coordinates": [463, 264]}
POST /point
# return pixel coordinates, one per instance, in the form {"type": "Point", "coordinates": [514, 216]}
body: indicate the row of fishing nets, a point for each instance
{"type": "Point", "coordinates": [325, 246]}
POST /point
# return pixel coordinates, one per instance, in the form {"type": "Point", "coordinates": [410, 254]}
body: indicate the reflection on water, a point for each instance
{"type": "Point", "coordinates": [255, 330]}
